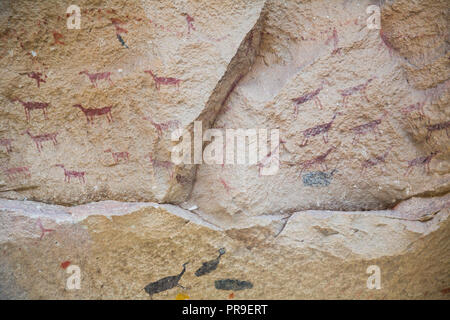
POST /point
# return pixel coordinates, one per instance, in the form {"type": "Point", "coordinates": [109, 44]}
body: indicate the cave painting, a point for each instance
{"type": "Point", "coordinates": [43, 230]}
{"type": "Point", "coordinates": [346, 93]}
{"type": "Point", "coordinates": [210, 266]}
{"type": "Point", "coordinates": [268, 159]}
{"type": "Point", "coordinates": [116, 23]}
{"type": "Point", "coordinates": [437, 127]}
{"type": "Point", "coordinates": [39, 139]}
{"type": "Point", "coordinates": [189, 21]}
{"type": "Point", "coordinates": [319, 160]}
{"type": "Point", "coordinates": [163, 80]}
{"type": "Point", "coordinates": [90, 113]}
{"type": "Point", "coordinates": [122, 42]}
{"type": "Point", "coordinates": [317, 130]}
{"type": "Point", "coordinates": [413, 108]}
{"type": "Point", "coordinates": [318, 178]}
{"type": "Point", "coordinates": [421, 161]}
{"type": "Point", "coordinates": [371, 126]}
{"type": "Point", "coordinates": [225, 185]}
{"type": "Point", "coordinates": [94, 77]}
{"type": "Point", "coordinates": [29, 106]}
{"type": "Point", "coordinates": [119, 31]}
{"type": "Point", "coordinates": [306, 97]}
{"type": "Point", "coordinates": [165, 283]}
{"type": "Point", "coordinates": [36, 76]}
{"type": "Point", "coordinates": [334, 37]}
{"type": "Point", "coordinates": [168, 165]}
{"type": "Point", "coordinates": [57, 37]}
{"type": "Point", "coordinates": [232, 284]}
{"type": "Point", "coordinates": [372, 162]}
{"type": "Point", "coordinates": [12, 173]}
{"type": "Point", "coordinates": [72, 174]}
{"type": "Point", "coordinates": [117, 156]}
{"type": "Point", "coordinates": [7, 144]}
{"type": "Point", "coordinates": [163, 126]}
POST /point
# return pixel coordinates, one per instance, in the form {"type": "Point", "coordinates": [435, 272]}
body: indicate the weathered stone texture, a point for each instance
{"type": "Point", "coordinates": [86, 178]}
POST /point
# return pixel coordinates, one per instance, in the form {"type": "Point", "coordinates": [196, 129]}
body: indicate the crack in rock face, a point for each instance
{"type": "Point", "coordinates": [240, 136]}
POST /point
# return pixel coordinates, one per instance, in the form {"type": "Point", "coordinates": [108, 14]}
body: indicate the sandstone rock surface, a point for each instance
{"type": "Point", "coordinates": [122, 247]}
{"type": "Point", "coordinates": [87, 178]}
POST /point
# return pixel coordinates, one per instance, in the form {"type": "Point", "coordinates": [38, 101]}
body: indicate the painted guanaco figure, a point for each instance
{"type": "Point", "coordinates": [165, 81]}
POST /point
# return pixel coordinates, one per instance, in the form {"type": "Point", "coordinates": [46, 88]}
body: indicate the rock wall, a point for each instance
{"type": "Point", "coordinates": [197, 60]}
{"type": "Point", "coordinates": [88, 115]}
{"type": "Point", "coordinates": [120, 248]}
{"type": "Point", "coordinates": [368, 85]}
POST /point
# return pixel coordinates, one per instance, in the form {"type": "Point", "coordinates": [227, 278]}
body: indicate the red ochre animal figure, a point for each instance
{"type": "Point", "coordinates": [36, 76]}
{"type": "Point", "coordinates": [317, 160]}
{"type": "Point", "coordinates": [346, 93]}
{"type": "Point", "coordinates": [90, 113]}
{"type": "Point", "coordinates": [11, 173]}
{"type": "Point", "coordinates": [165, 81]}
{"type": "Point", "coordinates": [421, 161]}
{"type": "Point", "coordinates": [43, 230]}
{"type": "Point", "coordinates": [162, 164]}
{"type": "Point", "coordinates": [163, 126]}
{"type": "Point", "coordinates": [124, 155]}
{"type": "Point", "coordinates": [437, 127]}
{"type": "Point", "coordinates": [189, 21]}
{"type": "Point", "coordinates": [72, 173]}
{"type": "Point", "coordinates": [94, 77]}
{"type": "Point", "coordinates": [306, 97]}
{"type": "Point", "coordinates": [371, 126]}
{"type": "Point", "coordinates": [319, 129]}
{"type": "Point", "coordinates": [372, 162]}
{"type": "Point", "coordinates": [29, 106]}
{"type": "Point", "coordinates": [414, 107]}
{"type": "Point", "coordinates": [39, 139]}
{"type": "Point", "coordinates": [58, 36]}
{"type": "Point", "coordinates": [7, 144]}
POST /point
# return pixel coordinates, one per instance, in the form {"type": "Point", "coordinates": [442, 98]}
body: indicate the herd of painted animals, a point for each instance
{"type": "Point", "coordinates": [309, 133]}
{"type": "Point", "coordinates": [312, 178]}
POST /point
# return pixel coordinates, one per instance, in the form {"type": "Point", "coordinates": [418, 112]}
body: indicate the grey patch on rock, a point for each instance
{"type": "Point", "coordinates": [232, 284]}
{"type": "Point", "coordinates": [211, 265]}
{"type": "Point", "coordinates": [326, 231]}
{"type": "Point", "coordinates": [318, 178]}
{"type": "Point", "coordinates": [9, 288]}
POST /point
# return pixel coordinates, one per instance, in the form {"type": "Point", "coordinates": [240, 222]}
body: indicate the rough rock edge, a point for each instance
{"type": "Point", "coordinates": [311, 229]}
{"type": "Point", "coordinates": [238, 67]}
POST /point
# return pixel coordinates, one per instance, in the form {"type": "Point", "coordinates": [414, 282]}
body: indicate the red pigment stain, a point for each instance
{"type": "Point", "coordinates": [445, 291]}
{"type": "Point", "coordinates": [231, 295]}
{"type": "Point", "coordinates": [65, 264]}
